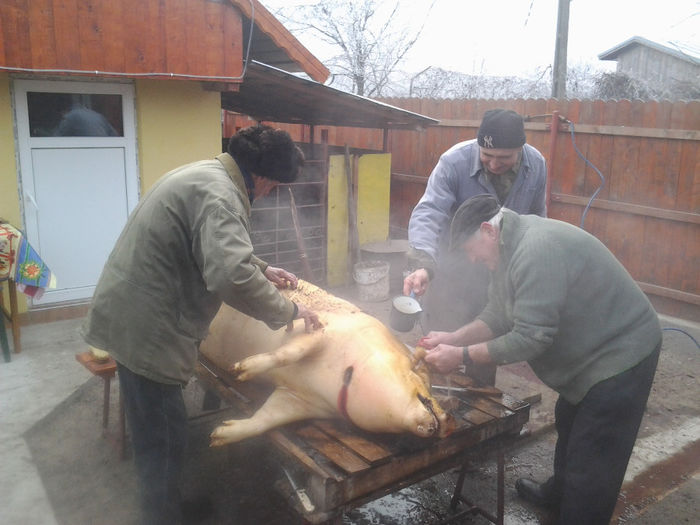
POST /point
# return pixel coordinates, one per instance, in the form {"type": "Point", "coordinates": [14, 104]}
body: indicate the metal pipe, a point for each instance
{"type": "Point", "coordinates": [306, 267]}
{"type": "Point", "coordinates": [553, 130]}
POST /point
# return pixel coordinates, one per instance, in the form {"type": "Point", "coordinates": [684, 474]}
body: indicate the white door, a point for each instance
{"type": "Point", "coordinates": [78, 176]}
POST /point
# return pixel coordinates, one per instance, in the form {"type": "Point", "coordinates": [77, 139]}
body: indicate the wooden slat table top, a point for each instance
{"type": "Point", "coordinates": [341, 464]}
{"type": "Point", "coordinates": [371, 451]}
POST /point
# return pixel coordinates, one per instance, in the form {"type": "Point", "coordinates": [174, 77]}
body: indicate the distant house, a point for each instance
{"type": "Point", "coordinates": [661, 66]}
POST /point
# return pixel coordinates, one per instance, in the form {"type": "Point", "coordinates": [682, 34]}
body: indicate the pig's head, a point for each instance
{"type": "Point", "coordinates": [425, 417]}
{"type": "Point", "coordinates": [390, 397]}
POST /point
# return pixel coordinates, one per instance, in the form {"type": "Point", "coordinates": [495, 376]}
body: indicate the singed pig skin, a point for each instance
{"type": "Point", "coordinates": [382, 393]}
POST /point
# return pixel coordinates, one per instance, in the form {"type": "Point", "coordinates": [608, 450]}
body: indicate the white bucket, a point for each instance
{"type": "Point", "coordinates": [372, 278]}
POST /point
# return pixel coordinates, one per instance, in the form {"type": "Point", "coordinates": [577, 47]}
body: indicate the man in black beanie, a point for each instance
{"type": "Point", "coordinates": [498, 162]}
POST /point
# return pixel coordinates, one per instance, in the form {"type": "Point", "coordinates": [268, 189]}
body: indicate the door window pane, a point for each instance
{"type": "Point", "coordinates": [75, 115]}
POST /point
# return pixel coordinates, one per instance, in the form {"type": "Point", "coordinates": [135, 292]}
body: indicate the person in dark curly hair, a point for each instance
{"type": "Point", "coordinates": [184, 250]}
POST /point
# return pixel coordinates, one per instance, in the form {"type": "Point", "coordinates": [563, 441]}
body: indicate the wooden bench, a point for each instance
{"type": "Point", "coordinates": [107, 371]}
{"type": "Point", "coordinates": [341, 467]}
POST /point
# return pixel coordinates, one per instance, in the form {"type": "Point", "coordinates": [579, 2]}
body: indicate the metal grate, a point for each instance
{"type": "Point", "coordinates": [272, 227]}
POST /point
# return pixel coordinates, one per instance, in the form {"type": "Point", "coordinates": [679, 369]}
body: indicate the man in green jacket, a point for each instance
{"type": "Point", "coordinates": [184, 250]}
{"type": "Point", "coordinates": [561, 301]}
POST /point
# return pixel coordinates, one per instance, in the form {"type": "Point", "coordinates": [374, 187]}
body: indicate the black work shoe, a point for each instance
{"type": "Point", "coordinates": [539, 494]}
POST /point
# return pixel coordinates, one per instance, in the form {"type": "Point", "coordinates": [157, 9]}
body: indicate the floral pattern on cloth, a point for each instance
{"type": "Point", "coordinates": [20, 262]}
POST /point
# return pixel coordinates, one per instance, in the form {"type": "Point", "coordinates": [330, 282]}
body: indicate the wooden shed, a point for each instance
{"type": "Point", "coordinates": [147, 82]}
{"type": "Point", "coordinates": [656, 63]}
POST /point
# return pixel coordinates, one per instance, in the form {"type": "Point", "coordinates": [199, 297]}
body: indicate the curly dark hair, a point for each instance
{"type": "Point", "coordinates": [267, 152]}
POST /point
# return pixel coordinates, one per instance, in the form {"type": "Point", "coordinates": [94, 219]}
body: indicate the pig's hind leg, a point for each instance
{"type": "Point", "coordinates": [289, 353]}
{"type": "Point", "coordinates": [280, 408]}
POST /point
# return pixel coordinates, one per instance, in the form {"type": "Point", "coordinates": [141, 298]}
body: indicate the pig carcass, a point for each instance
{"type": "Point", "coordinates": [352, 368]}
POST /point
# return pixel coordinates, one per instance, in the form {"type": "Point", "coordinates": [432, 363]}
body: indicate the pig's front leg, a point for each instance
{"type": "Point", "coordinates": [300, 347]}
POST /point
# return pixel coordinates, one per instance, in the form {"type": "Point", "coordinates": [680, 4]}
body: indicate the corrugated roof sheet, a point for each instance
{"type": "Point", "coordinates": [271, 94]}
{"type": "Point", "coordinates": [677, 49]}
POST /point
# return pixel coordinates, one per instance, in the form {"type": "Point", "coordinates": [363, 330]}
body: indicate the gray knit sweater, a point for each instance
{"type": "Point", "coordinates": [561, 301]}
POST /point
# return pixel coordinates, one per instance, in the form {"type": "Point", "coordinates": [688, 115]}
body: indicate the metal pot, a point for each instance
{"type": "Point", "coordinates": [405, 310]}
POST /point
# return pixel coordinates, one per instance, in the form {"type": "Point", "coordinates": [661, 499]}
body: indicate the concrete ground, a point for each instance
{"type": "Point", "coordinates": [57, 468]}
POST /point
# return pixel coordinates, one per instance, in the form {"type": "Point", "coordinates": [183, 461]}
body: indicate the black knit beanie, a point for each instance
{"type": "Point", "coordinates": [501, 129]}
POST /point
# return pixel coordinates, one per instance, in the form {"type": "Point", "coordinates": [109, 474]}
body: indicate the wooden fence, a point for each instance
{"type": "Point", "coordinates": [648, 210]}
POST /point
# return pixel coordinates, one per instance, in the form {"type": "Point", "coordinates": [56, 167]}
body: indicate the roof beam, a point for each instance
{"type": "Point", "coordinates": [280, 35]}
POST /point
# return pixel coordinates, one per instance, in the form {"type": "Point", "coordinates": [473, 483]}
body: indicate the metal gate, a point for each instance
{"type": "Point", "coordinates": [272, 228]}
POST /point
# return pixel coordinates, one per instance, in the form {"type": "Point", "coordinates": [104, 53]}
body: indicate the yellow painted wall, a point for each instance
{"type": "Point", "coordinates": [9, 199]}
{"type": "Point", "coordinates": [373, 193]}
{"type": "Point", "coordinates": [373, 186]}
{"type": "Point", "coordinates": [177, 123]}
{"type": "Point", "coordinates": [337, 238]}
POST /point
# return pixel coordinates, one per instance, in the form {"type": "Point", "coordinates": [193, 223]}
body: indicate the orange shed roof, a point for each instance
{"type": "Point", "coordinates": [196, 40]}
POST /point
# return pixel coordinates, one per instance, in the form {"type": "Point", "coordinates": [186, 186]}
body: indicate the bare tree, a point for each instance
{"type": "Point", "coordinates": [581, 80]}
{"type": "Point", "coordinates": [584, 81]}
{"type": "Point", "coordinates": [439, 83]}
{"type": "Point", "coordinates": [619, 85]}
{"type": "Point", "coordinates": [372, 37]}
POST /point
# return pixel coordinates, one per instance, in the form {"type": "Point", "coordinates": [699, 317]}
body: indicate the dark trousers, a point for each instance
{"type": "Point", "coordinates": [158, 423]}
{"type": "Point", "coordinates": [595, 441]}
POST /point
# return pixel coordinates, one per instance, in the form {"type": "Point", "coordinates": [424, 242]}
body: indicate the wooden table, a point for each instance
{"type": "Point", "coordinates": [106, 370]}
{"type": "Point", "coordinates": [12, 315]}
{"type": "Point", "coordinates": [341, 467]}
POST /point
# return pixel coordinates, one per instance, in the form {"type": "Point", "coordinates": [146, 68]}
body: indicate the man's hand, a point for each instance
{"type": "Point", "coordinates": [281, 278]}
{"type": "Point", "coordinates": [416, 282]}
{"type": "Point", "coordinates": [436, 338]}
{"type": "Point", "coordinates": [445, 358]}
{"type": "Point", "coordinates": [311, 320]}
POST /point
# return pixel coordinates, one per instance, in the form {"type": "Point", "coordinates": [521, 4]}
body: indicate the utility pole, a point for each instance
{"type": "Point", "coordinates": [561, 43]}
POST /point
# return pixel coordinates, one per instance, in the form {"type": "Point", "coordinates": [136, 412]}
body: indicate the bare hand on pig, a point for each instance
{"type": "Point", "coordinates": [311, 320]}
{"type": "Point", "coordinates": [281, 278]}
{"type": "Point", "coordinates": [435, 338]}
{"type": "Point", "coordinates": [444, 358]}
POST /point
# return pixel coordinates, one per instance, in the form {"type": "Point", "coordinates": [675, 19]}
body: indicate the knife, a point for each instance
{"type": "Point", "coordinates": [491, 391]}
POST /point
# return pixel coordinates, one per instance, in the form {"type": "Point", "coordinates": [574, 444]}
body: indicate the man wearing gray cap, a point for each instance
{"type": "Point", "coordinates": [561, 301]}
{"type": "Point", "coordinates": [498, 162]}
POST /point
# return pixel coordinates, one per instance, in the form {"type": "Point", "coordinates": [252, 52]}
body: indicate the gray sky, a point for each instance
{"type": "Point", "coordinates": [511, 37]}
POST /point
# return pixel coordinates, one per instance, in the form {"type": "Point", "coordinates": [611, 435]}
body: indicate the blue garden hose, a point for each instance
{"type": "Point", "coordinates": [684, 332]}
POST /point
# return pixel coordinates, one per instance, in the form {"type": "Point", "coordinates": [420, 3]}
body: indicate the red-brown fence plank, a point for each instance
{"type": "Point", "coordinates": [90, 22]}
{"type": "Point", "coordinates": [15, 25]}
{"type": "Point", "coordinates": [65, 14]}
{"type": "Point", "coordinates": [656, 171]}
{"type": "Point", "coordinates": [114, 58]}
{"type": "Point", "coordinates": [43, 47]}
{"type": "Point", "coordinates": [175, 28]}
{"type": "Point", "coordinates": [213, 36]}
